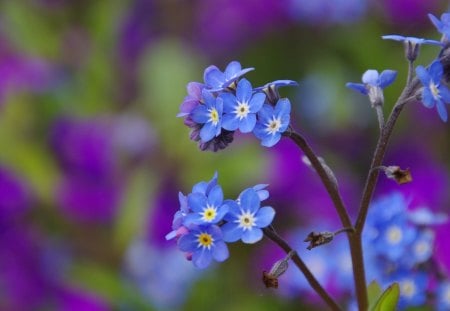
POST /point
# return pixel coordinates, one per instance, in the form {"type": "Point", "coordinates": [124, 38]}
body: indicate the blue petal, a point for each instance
{"type": "Point", "coordinates": [231, 232]}
{"type": "Point", "coordinates": [250, 200]}
{"type": "Point", "coordinates": [233, 210]}
{"type": "Point", "coordinates": [260, 131]}
{"type": "Point", "coordinates": [394, 37]}
{"type": "Point", "coordinates": [187, 243]}
{"type": "Point", "coordinates": [441, 110]}
{"type": "Point", "coordinates": [436, 71]}
{"type": "Point", "coordinates": [265, 216]}
{"type": "Point", "coordinates": [230, 122]}
{"type": "Point", "coordinates": [208, 132]}
{"type": "Point", "coordinates": [265, 113]}
{"type": "Point", "coordinates": [357, 87]}
{"type": "Point", "coordinates": [200, 114]}
{"type": "Point", "coordinates": [423, 75]}
{"type": "Point", "coordinates": [244, 91]}
{"type": "Point", "coordinates": [252, 236]}
{"type": "Point", "coordinates": [284, 123]}
{"type": "Point", "coordinates": [247, 124]}
{"type": "Point", "coordinates": [370, 77]}
{"type": "Point", "coordinates": [229, 102]}
{"type": "Point", "coordinates": [221, 212]}
{"type": "Point", "coordinates": [232, 69]}
{"type": "Point", "coordinates": [427, 98]}
{"type": "Point", "coordinates": [220, 252]}
{"type": "Point", "coordinates": [213, 77]}
{"type": "Point", "coordinates": [271, 140]}
{"type": "Point", "coordinates": [445, 93]}
{"type": "Point", "coordinates": [208, 98]}
{"type": "Point", "coordinates": [200, 187]}
{"type": "Point", "coordinates": [386, 78]}
{"type": "Point", "coordinates": [283, 107]}
{"type": "Point", "coordinates": [219, 106]}
{"type": "Point", "coordinates": [257, 102]}
{"type": "Point", "coordinates": [215, 197]}
{"type": "Point", "coordinates": [436, 22]}
{"type": "Point", "coordinates": [202, 258]}
{"type": "Point", "coordinates": [197, 201]}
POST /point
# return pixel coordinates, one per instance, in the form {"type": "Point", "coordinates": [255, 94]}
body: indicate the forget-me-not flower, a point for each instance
{"type": "Point", "coordinates": [434, 92]}
{"type": "Point", "coordinates": [373, 84]}
{"type": "Point", "coordinates": [245, 220]}
{"type": "Point", "coordinates": [206, 208]}
{"type": "Point", "coordinates": [412, 44]}
{"type": "Point", "coordinates": [272, 122]}
{"type": "Point", "coordinates": [217, 80]}
{"type": "Point", "coordinates": [442, 25]}
{"type": "Point", "coordinates": [443, 296]}
{"type": "Point", "coordinates": [204, 243]}
{"type": "Point", "coordinates": [210, 115]}
{"type": "Point", "coordinates": [240, 110]}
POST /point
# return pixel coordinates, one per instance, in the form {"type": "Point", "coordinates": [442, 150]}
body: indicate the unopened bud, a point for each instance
{"type": "Point", "coordinates": [270, 279]}
{"type": "Point", "coordinates": [396, 173]}
{"type": "Point", "coordinates": [318, 238]}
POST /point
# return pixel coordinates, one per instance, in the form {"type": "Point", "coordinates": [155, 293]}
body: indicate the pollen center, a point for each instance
{"type": "Point", "coordinates": [209, 213]}
{"type": "Point", "coordinates": [434, 91]}
{"type": "Point", "coordinates": [408, 288]}
{"type": "Point", "coordinates": [394, 235]}
{"type": "Point", "coordinates": [213, 116]}
{"type": "Point", "coordinates": [273, 126]}
{"type": "Point", "coordinates": [246, 221]}
{"type": "Point", "coordinates": [421, 248]}
{"type": "Point", "coordinates": [242, 110]}
{"type": "Point", "coordinates": [205, 240]}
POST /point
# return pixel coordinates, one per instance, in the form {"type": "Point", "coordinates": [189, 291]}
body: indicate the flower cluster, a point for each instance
{"type": "Point", "coordinates": [206, 222]}
{"type": "Point", "coordinates": [399, 243]}
{"type": "Point", "coordinates": [226, 102]}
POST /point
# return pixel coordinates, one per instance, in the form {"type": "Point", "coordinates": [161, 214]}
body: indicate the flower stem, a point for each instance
{"type": "Point", "coordinates": [272, 235]}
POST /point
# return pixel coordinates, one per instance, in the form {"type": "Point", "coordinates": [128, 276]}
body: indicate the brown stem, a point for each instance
{"type": "Point", "coordinates": [271, 234]}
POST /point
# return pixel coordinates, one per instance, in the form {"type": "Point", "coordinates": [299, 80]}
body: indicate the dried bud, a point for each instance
{"type": "Point", "coordinates": [399, 175]}
{"type": "Point", "coordinates": [318, 238]}
{"type": "Point", "coordinates": [270, 279]}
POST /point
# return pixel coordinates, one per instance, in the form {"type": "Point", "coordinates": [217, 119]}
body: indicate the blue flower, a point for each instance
{"type": "Point", "coordinates": [413, 40]}
{"type": "Point", "coordinates": [412, 289]}
{"type": "Point", "coordinates": [271, 89]}
{"type": "Point", "coordinates": [412, 44]}
{"type": "Point", "coordinates": [443, 296]}
{"type": "Point", "coordinates": [240, 110]}
{"type": "Point", "coordinates": [205, 243]}
{"type": "Point", "coordinates": [434, 92]}
{"type": "Point", "coordinates": [217, 80]}
{"type": "Point", "coordinates": [206, 208]}
{"type": "Point", "coordinates": [422, 247]}
{"type": "Point", "coordinates": [245, 220]}
{"type": "Point", "coordinates": [210, 115]}
{"type": "Point", "coordinates": [272, 122]}
{"type": "Point", "coordinates": [442, 25]}
{"type": "Point", "coordinates": [178, 219]}
{"type": "Point", "coordinates": [204, 187]}
{"type": "Point", "coordinates": [373, 84]}
{"type": "Point", "coordinates": [422, 216]}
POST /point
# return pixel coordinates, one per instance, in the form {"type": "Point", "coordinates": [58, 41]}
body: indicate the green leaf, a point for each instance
{"type": "Point", "coordinates": [389, 299]}
{"type": "Point", "coordinates": [374, 291]}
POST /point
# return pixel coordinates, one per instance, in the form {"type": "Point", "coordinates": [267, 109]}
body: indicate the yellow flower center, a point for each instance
{"type": "Point", "coordinates": [242, 110]}
{"type": "Point", "coordinates": [394, 235]}
{"type": "Point", "coordinates": [246, 221]}
{"type": "Point", "coordinates": [408, 288]}
{"type": "Point", "coordinates": [213, 116]}
{"type": "Point", "coordinates": [273, 126]}
{"type": "Point", "coordinates": [205, 240]}
{"type": "Point", "coordinates": [434, 90]}
{"type": "Point", "coordinates": [209, 213]}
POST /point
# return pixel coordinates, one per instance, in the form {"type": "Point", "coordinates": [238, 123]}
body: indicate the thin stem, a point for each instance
{"type": "Point", "coordinates": [346, 229]}
{"type": "Point", "coordinates": [329, 184]}
{"type": "Point", "coordinates": [271, 234]}
{"type": "Point", "coordinates": [380, 116]}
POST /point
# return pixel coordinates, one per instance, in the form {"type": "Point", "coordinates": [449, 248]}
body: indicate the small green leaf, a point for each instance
{"type": "Point", "coordinates": [389, 299]}
{"type": "Point", "coordinates": [374, 291]}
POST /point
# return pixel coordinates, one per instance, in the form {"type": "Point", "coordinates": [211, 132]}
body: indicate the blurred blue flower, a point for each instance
{"type": "Point", "coordinates": [412, 40]}
{"type": "Point", "coordinates": [210, 115]}
{"type": "Point", "coordinates": [240, 110]}
{"type": "Point", "coordinates": [413, 288]}
{"type": "Point", "coordinates": [443, 296]}
{"type": "Point", "coordinates": [245, 220]}
{"type": "Point", "coordinates": [205, 243]}
{"type": "Point", "coordinates": [272, 122]}
{"type": "Point", "coordinates": [434, 92]}
{"type": "Point", "coordinates": [373, 84]}
{"type": "Point", "coordinates": [422, 247]}
{"type": "Point", "coordinates": [424, 217]}
{"type": "Point", "coordinates": [442, 25]}
{"type": "Point", "coordinates": [206, 209]}
{"type": "Point", "coordinates": [217, 80]}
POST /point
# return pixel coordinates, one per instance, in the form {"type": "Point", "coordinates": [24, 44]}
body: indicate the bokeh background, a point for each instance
{"type": "Point", "coordinates": [92, 156]}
